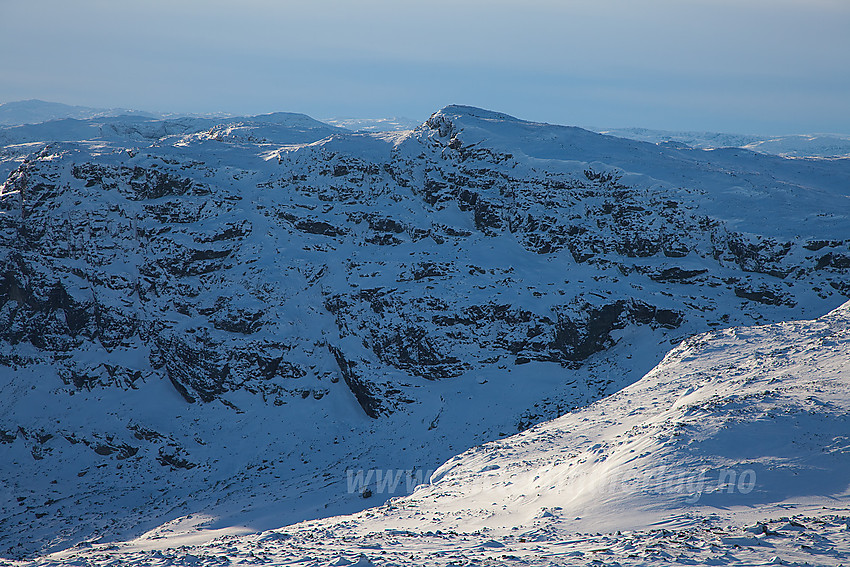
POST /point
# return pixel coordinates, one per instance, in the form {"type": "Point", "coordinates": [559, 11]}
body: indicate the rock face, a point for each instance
{"type": "Point", "coordinates": [213, 320]}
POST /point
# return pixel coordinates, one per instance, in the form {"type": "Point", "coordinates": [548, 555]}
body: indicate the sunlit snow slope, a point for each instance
{"type": "Point", "coordinates": [738, 418]}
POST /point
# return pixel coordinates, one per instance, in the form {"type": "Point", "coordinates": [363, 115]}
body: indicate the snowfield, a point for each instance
{"type": "Point", "coordinates": [734, 450]}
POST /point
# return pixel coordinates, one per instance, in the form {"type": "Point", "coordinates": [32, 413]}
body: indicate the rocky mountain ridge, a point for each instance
{"type": "Point", "coordinates": [238, 313]}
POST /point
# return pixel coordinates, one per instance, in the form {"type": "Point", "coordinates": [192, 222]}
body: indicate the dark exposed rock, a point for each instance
{"type": "Point", "coordinates": [427, 270]}
{"type": "Point", "coordinates": [451, 231]}
{"type": "Point", "coordinates": [376, 297]}
{"type": "Point", "coordinates": [137, 183]}
{"type": "Point", "coordinates": [674, 249]}
{"type": "Point", "coordinates": [226, 317]}
{"type": "Point", "coordinates": [368, 400]}
{"type": "Point", "coordinates": [759, 255]}
{"type": "Point", "coordinates": [271, 367]}
{"type": "Point", "coordinates": [668, 318]}
{"type": "Point", "coordinates": [312, 226]}
{"type": "Point", "coordinates": [675, 274]}
{"type": "Point", "coordinates": [174, 460]}
{"type": "Point", "coordinates": [318, 227]}
{"type": "Point", "coordinates": [194, 367]}
{"type": "Point", "coordinates": [766, 297]}
{"type": "Point", "coordinates": [383, 240]}
{"type": "Point", "coordinates": [576, 339]}
{"type": "Point", "coordinates": [144, 434]}
{"type": "Point", "coordinates": [484, 214]}
{"type": "Point", "coordinates": [189, 261]}
{"type": "Point", "coordinates": [815, 245]}
{"type": "Point", "coordinates": [411, 349]}
{"type": "Point", "coordinates": [383, 224]}
{"type": "Point", "coordinates": [638, 247]}
{"type": "Point", "coordinates": [120, 450]}
{"type": "Point", "coordinates": [232, 231]}
{"type": "Point", "coordinates": [842, 287]}
{"type": "Point", "coordinates": [46, 315]}
{"type": "Point", "coordinates": [645, 314]}
{"type": "Point", "coordinates": [833, 260]}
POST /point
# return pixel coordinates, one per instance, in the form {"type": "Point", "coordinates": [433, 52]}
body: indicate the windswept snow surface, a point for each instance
{"type": "Point", "coordinates": [738, 419]}
{"type": "Point", "coordinates": [734, 450]}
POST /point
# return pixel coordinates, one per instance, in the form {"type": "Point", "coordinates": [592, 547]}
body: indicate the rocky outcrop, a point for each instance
{"type": "Point", "coordinates": [169, 222]}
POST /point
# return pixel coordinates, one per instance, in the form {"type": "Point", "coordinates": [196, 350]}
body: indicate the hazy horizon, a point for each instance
{"type": "Point", "coordinates": [761, 67]}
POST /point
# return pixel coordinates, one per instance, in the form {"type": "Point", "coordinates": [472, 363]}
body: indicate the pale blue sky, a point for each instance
{"type": "Point", "coordinates": [749, 66]}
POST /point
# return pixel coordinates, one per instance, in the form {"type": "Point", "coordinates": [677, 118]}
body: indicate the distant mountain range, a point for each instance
{"type": "Point", "coordinates": [794, 145]}
{"type": "Point", "coordinates": [37, 111]}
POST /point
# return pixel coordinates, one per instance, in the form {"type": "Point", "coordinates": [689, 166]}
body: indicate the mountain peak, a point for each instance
{"type": "Point", "coordinates": [461, 110]}
{"type": "Point", "coordinates": [287, 119]}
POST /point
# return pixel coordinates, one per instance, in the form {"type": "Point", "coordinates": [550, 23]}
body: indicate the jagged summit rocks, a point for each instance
{"type": "Point", "coordinates": [228, 315]}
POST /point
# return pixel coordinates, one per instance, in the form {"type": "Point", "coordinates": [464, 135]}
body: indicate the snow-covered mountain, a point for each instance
{"type": "Point", "coordinates": [734, 450]}
{"type": "Point", "coordinates": [792, 145]}
{"type": "Point", "coordinates": [235, 318]}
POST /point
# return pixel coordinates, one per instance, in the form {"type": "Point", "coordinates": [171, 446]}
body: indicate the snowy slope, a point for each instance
{"type": "Point", "coordinates": [733, 419]}
{"type": "Point", "coordinates": [228, 319]}
{"type": "Point", "coordinates": [737, 444]}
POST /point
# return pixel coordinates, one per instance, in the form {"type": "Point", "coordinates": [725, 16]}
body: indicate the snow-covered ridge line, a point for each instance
{"type": "Point", "coordinates": [808, 145]}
